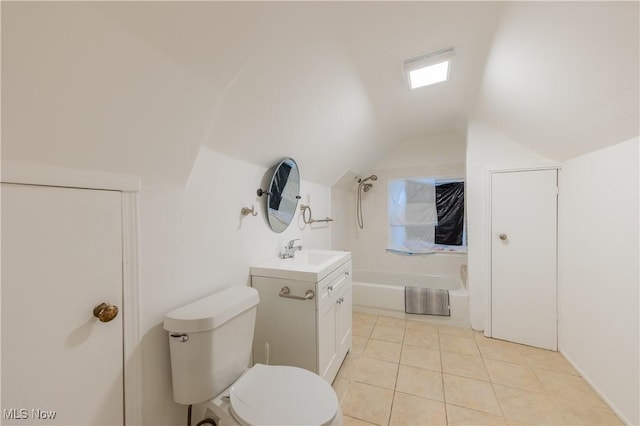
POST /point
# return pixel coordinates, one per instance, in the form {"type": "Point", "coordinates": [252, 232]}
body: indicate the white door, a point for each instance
{"type": "Point", "coordinates": [61, 256]}
{"type": "Point", "coordinates": [523, 257]}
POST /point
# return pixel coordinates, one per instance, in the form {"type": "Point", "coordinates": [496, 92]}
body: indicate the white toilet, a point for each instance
{"type": "Point", "coordinates": [210, 341]}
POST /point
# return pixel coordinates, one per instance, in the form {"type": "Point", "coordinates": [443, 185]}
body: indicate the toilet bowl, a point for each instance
{"type": "Point", "coordinates": [276, 395]}
{"type": "Point", "coordinates": [210, 342]}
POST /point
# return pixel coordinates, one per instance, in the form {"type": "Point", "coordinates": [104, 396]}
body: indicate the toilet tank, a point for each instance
{"type": "Point", "coordinates": [210, 343]}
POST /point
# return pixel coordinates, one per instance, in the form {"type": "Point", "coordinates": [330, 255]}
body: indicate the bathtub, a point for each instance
{"type": "Point", "coordinates": [382, 293]}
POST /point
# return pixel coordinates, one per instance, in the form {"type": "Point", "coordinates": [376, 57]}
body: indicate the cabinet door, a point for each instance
{"type": "Point", "coordinates": [344, 322]}
{"type": "Point", "coordinates": [327, 339]}
{"type": "Point", "coordinates": [286, 326]}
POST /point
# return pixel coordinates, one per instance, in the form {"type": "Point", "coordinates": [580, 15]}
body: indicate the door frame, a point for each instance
{"type": "Point", "coordinates": [488, 331]}
{"type": "Point", "coordinates": [129, 186]}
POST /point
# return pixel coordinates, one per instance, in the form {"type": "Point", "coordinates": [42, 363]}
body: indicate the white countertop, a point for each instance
{"type": "Point", "coordinates": [307, 265]}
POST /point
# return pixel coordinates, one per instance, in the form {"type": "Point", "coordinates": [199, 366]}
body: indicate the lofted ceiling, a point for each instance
{"type": "Point", "coordinates": [139, 87]}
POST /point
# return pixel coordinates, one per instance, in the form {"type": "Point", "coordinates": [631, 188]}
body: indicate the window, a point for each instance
{"type": "Point", "coordinates": [426, 215]}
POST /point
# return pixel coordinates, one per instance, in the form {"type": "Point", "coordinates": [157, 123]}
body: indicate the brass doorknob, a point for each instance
{"type": "Point", "coordinates": [105, 312]}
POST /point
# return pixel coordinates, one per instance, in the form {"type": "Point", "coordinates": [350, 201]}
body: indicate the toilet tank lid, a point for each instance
{"type": "Point", "coordinates": [211, 311]}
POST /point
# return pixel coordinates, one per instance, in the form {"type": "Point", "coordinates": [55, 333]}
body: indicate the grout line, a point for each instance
{"type": "Point", "coordinates": [444, 392]}
{"type": "Point", "coordinates": [395, 384]}
{"type": "Point", "coordinates": [495, 395]}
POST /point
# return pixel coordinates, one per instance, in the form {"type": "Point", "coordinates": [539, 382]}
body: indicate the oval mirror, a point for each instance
{"type": "Point", "coordinates": [283, 196]}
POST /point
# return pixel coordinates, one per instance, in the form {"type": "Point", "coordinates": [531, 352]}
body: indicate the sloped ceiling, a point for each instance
{"type": "Point", "coordinates": [138, 87]}
{"type": "Point", "coordinates": [563, 77]}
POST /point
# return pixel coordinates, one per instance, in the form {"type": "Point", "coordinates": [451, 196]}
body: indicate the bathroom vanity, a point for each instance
{"type": "Point", "coordinates": [304, 315]}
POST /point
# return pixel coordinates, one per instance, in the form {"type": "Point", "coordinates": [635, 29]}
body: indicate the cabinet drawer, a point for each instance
{"type": "Point", "coordinates": [330, 287]}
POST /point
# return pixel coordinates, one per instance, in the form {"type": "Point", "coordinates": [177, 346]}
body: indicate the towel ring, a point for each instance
{"type": "Point", "coordinates": [304, 208]}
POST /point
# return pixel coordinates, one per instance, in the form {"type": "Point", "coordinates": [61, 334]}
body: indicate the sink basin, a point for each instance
{"type": "Point", "coordinates": [306, 265]}
{"type": "Point", "coordinates": [311, 258]}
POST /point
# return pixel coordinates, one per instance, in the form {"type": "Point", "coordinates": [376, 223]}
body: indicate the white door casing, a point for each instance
{"type": "Point", "coordinates": [524, 257]}
{"type": "Point", "coordinates": [62, 254]}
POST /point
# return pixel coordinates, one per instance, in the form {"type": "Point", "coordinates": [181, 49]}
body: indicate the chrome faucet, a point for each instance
{"type": "Point", "coordinates": [290, 249]}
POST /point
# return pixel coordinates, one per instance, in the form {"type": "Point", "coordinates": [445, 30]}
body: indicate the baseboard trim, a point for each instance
{"type": "Point", "coordinates": [595, 388]}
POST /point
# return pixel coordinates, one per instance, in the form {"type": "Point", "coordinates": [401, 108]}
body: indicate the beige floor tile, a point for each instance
{"type": "Point", "coordinates": [391, 322]}
{"type": "Point", "coordinates": [455, 331]}
{"type": "Point", "coordinates": [384, 351]}
{"type": "Point", "coordinates": [340, 385]}
{"type": "Point", "coordinates": [348, 366]}
{"type": "Point", "coordinates": [460, 345]}
{"type": "Point", "coordinates": [500, 350]}
{"type": "Point", "coordinates": [413, 410]}
{"type": "Point", "coordinates": [512, 422]}
{"type": "Point", "coordinates": [364, 316]}
{"type": "Point", "coordinates": [362, 328]}
{"type": "Point", "coordinates": [464, 416]}
{"type": "Point", "coordinates": [420, 382]}
{"type": "Point", "coordinates": [393, 333]}
{"type": "Point", "coordinates": [425, 338]}
{"type": "Point", "coordinates": [376, 373]}
{"type": "Point", "coordinates": [529, 407]}
{"type": "Point", "coordinates": [470, 393]}
{"type": "Point", "coordinates": [358, 344]}
{"type": "Point", "coordinates": [578, 413]}
{"type": "Point", "coordinates": [418, 356]}
{"type": "Point", "coordinates": [530, 386]}
{"type": "Point", "coordinates": [518, 376]}
{"type": "Point", "coordinates": [368, 403]}
{"type": "Point", "coordinates": [547, 360]}
{"type": "Point", "coordinates": [464, 365]}
{"type": "Point", "coordinates": [479, 334]}
{"type": "Point", "coordinates": [421, 325]}
{"type": "Point", "coordinates": [350, 421]}
{"type": "Point", "coordinates": [570, 387]}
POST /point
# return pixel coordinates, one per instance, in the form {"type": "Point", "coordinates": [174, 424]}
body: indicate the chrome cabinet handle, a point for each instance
{"type": "Point", "coordinates": [285, 292]}
{"type": "Point", "coordinates": [340, 300]}
{"type": "Point", "coordinates": [502, 237]}
{"type": "Point", "coordinates": [330, 288]}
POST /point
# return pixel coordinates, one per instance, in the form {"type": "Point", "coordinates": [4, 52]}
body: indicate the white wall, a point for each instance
{"type": "Point", "coordinates": [343, 214]}
{"type": "Point", "coordinates": [599, 278]}
{"type": "Point", "coordinates": [486, 150]}
{"type": "Point", "coordinates": [194, 242]}
{"type": "Point", "coordinates": [438, 155]}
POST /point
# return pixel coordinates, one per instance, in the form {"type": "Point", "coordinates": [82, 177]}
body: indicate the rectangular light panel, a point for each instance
{"type": "Point", "coordinates": [430, 74]}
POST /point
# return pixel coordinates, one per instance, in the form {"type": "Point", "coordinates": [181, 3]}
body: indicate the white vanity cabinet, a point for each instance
{"type": "Point", "coordinates": [304, 315]}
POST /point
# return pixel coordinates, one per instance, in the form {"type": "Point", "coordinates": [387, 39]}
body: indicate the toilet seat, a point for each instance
{"type": "Point", "coordinates": [282, 395]}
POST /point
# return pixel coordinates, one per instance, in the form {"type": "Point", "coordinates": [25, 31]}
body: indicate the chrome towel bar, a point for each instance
{"type": "Point", "coordinates": [285, 292]}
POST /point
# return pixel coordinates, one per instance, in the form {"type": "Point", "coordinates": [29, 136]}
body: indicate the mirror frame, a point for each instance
{"type": "Point", "coordinates": [279, 215]}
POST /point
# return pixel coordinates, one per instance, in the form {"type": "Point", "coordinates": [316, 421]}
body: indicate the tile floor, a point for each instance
{"type": "Point", "coordinates": [403, 372]}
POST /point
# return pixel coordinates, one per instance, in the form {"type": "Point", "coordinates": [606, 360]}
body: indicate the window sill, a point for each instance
{"type": "Point", "coordinates": [451, 250]}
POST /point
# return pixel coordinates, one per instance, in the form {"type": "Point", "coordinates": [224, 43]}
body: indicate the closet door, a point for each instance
{"type": "Point", "coordinates": [61, 256]}
{"type": "Point", "coordinates": [524, 257]}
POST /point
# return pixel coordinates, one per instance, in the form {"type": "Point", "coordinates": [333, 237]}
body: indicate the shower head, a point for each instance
{"type": "Point", "coordinates": [372, 177]}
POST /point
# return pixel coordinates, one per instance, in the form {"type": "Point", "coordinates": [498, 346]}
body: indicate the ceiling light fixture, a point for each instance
{"type": "Point", "coordinates": [429, 69]}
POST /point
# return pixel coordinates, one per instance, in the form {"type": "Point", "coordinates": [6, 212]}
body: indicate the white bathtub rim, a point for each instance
{"type": "Point", "coordinates": [357, 272]}
{"type": "Point", "coordinates": [455, 285]}
{"type": "Point", "coordinates": [458, 292]}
